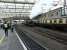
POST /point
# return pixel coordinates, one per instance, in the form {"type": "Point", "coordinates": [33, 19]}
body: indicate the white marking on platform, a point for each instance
{"type": "Point", "coordinates": [2, 39]}
{"type": "Point", "coordinates": [21, 41]}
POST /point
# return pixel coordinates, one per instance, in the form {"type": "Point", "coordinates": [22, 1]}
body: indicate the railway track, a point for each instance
{"type": "Point", "coordinates": [58, 36]}
{"type": "Point", "coordinates": [29, 43]}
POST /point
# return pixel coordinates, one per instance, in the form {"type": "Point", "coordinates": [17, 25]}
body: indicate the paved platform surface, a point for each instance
{"type": "Point", "coordinates": [1, 33]}
{"type": "Point", "coordinates": [11, 42]}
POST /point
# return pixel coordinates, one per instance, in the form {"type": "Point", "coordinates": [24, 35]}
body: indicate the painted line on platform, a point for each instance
{"type": "Point", "coordinates": [2, 39]}
{"type": "Point", "coordinates": [21, 41]}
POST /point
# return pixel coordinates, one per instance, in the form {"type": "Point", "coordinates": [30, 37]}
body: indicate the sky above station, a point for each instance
{"type": "Point", "coordinates": [42, 6]}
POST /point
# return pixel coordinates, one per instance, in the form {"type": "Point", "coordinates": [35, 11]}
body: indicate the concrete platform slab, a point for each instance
{"type": "Point", "coordinates": [11, 42]}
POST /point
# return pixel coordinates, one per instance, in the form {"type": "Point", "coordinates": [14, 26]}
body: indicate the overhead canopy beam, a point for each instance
{"type": "Point", "coordinates": [17, 8]}
{"type": "Point", "coordinates": [17, 2]}
{"type": "Point", "coordinates": [16, 12]}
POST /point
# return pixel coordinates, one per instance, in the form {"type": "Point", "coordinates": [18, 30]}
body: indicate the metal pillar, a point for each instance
{"type": "Point", "coordinates": [64, 6]}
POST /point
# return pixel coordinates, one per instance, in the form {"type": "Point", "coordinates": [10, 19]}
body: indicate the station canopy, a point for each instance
{"type": "Point", "coordinates": [14, 8]}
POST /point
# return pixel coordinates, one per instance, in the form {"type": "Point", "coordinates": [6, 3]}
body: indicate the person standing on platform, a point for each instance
{"type": "Point", "coordinates": [12, 27]}
{"type": "Point", "coordinates": [5, 25]}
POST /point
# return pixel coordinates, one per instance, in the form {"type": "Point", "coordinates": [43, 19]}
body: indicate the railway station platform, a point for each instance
{"type": "Point", "coordinates": [16, 42]}
{"type": "Point", "coordinates": [11, 42]}
{"type": "Point", "coordinates": [29, 38]}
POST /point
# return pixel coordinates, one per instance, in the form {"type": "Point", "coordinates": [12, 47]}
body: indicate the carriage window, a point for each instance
{"type": "Point", "coordinates": [50, 21]}
{"type": "Point", "coordinates": [54, 21]}
{"type": "Point", "coordinates": [60, 21]}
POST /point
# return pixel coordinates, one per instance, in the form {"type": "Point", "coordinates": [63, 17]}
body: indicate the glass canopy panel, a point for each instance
{"type": "Point", "coordinates": [11, 6]}
{"type": "Point", "coordinates": [25, 1]}
{"type": "Point", "coordinates": [7, 0]}
{"type": "Point", "coordinates": [19, 5]}
{"type": "Point", "coordinates": [15, 9]}
{"type": "Point", "coordinates": [30, 1]}
{"type": "Point", "coordinates": [20, 0]}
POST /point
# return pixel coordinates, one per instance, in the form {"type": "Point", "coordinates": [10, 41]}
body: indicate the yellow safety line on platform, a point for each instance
{"type": "Point", "coordinates": [2, 39]}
